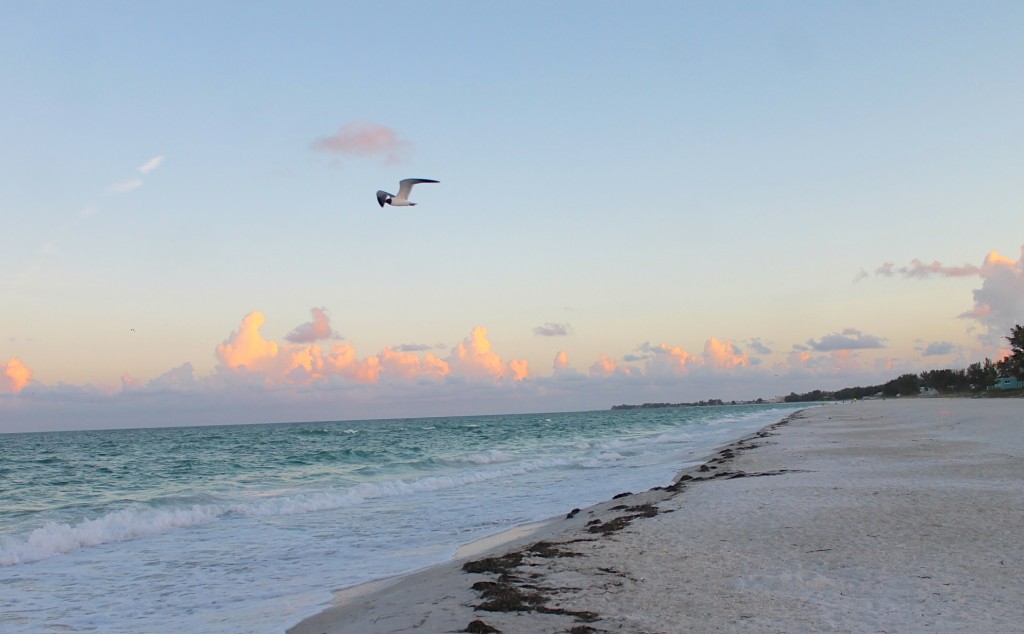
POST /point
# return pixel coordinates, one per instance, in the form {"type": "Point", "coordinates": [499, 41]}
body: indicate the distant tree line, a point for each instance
{"type": "Point", "coordinates": [976, 378]}
{"type": "Point", "coordinates": [714, 401]}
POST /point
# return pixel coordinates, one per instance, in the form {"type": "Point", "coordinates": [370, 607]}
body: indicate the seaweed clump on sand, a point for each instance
{"type": "Point", "coordinates": [503, 565]}
{"type": "Point", "coordinates": [510, 593]}
{"type": "Point", "coordinates": [479, 627]}
{"type": "Point", "coordinates": [622, 521]}
{"type": "Point", "coordinates": [502, 596]}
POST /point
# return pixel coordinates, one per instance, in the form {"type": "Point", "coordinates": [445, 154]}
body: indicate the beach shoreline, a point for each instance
{"type": "Point", "coordinates": [890, 515]}
{"type": "Point", "coordinates": [348, 599]}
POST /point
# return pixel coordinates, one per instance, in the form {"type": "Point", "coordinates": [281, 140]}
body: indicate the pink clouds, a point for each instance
{"type": "Point", "coordinates": [319, 328]}
{"type": "Point", "coordinates": [342, 362]}
{"type": "Point", "coordinates": [561, 363]}
{"type": "Point", "coordinates": [724, 355]}
{"type": "Point", "coordinates": [409, 366]}
{"type": "Point", "coordinates": [364, 139]}
{"type": "Point", "coordinates": [301, 377]}
{"type": "Point", "coordinates": [921, 270]}
{"type": "Point", "coordinates": [998, 304]}
{"type": "Point", "coordinates": [604, 366]}
{"type": "Point", "coordinates": [667, 360]}
{"type": "Point", "coordinates": [14, 375]}
{"type": "Point", "coordinates": [821, 366]}
{"type": "Point", "coordinates": [246, 347]}
{"type": "Point", "coordinates": [246, 351]}
{"type": "Point", "coordinates": [474, 358]}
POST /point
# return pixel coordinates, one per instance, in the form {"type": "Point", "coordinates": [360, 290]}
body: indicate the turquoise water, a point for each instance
{"type": "Point", "coordinates": [248, 528]}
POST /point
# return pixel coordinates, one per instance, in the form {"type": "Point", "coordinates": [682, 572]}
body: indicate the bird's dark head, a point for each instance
{"type": "Point", "coordinates": [383, 197]}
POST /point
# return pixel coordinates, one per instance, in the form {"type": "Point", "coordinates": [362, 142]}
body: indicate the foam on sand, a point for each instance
{"type": "Point", "coordinates": [878, 516]}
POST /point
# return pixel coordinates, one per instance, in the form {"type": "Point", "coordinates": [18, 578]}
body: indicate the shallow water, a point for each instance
{"type": "Point", "coordinates": [249, 528]}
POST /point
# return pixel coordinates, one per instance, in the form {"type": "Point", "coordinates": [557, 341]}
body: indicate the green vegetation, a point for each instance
{"type": "Point", "coordinates": [976, 378]}
{"type": "Point", "coordinates": [1013, 365]}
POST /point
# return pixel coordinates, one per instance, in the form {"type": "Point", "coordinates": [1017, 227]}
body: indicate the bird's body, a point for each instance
{"type": "Point", "coordinates": [401, 199]}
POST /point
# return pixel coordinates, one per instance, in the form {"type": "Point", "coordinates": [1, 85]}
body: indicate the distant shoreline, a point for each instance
{"type": "Point", "coordinates": [714, 402]}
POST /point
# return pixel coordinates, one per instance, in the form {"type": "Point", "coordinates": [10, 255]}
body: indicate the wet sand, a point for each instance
{"type": "Point", "coordinates": [898, 515]}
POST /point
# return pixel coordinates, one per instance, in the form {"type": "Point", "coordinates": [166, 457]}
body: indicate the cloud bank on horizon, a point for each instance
{"type": "Point", "coordinates": [314, 356]}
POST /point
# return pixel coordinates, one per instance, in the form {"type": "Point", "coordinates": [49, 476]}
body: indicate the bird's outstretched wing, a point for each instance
{"type": "Point", "coordinates": [405, 185]}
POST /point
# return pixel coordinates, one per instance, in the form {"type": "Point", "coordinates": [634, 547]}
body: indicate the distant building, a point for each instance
{"type": "Point", "coordinates": [1007, 383]}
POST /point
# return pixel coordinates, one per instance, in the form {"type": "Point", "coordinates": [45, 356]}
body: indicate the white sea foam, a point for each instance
{"type": "Point", "coordinates": [488, 457]}
{"type": "Point", "coordinates": [264, 518]}
{"type": "Point", "coordinates": [56, 539]}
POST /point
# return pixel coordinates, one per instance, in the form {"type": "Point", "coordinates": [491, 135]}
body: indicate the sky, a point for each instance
{"type": "Point", "coordinates": [638, 202]}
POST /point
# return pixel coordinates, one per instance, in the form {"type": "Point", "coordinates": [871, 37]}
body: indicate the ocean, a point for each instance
{"type": "Point", "coordinates": [249, 528]}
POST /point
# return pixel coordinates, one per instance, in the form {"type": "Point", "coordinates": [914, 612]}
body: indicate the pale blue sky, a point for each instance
{"type": "Point", "coordinates": [656, 173]}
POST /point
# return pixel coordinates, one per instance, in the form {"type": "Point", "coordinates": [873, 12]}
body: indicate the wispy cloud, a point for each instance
{"type": "Point", "coordinates": [134, 183]}
{"type": "Point", "coordinates": [150, 165]}
{"type": "Point", "coordinates": [920, 270]}
{"type": "Point", "coordinates": [125, 186]}
{"type": "Point", "coordinates": [418, 347]}
{"type": "Point", "coordinates": [848, 339]}
{"type": "Point", "coordinates": [552, 330]}
{"type": "Point", "coordinates": [364, 139]}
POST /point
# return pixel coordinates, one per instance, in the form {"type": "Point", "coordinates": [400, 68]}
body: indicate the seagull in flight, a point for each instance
{"type": "Point", "coordinates": [404, 188]}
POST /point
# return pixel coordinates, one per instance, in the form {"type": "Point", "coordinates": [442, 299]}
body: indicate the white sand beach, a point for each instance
{"type": "Point", "coordinates": [881, 516]}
